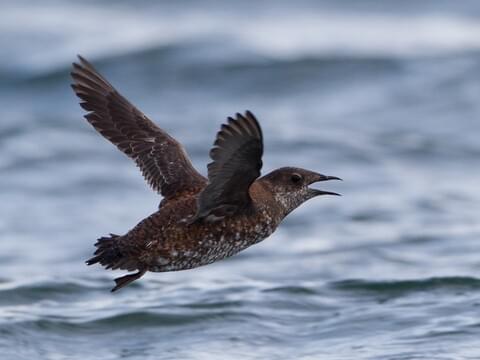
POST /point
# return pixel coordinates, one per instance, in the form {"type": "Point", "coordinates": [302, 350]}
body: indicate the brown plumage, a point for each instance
{"type": "Point", "coordinates": [199, 220]}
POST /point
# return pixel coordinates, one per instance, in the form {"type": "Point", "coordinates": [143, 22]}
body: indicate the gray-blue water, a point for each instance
{"type": "Point", "coordinates": [383, 94]}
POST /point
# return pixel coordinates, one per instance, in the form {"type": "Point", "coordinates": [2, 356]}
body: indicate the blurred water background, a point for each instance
{"type": "Point", "coordinates": [383, 94]}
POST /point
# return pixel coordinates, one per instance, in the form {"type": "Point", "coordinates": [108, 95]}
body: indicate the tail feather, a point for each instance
{"type": "Point", "coordinates": [109, 254]}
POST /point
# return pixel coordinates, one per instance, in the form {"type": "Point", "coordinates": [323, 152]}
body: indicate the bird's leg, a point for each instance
{"type": "Point", "coordinates": [127, 279]}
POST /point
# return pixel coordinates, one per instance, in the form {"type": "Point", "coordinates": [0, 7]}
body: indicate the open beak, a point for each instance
{"type": "Point", "coordinates": [319, 177]}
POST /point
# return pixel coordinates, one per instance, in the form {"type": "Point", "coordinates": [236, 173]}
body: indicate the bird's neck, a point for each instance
{"type": "Point", "coordinates": [264, 199]}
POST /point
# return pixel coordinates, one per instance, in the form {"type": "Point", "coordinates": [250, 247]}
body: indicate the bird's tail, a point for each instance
{"type": "Point", "coordinates": [109, 254]}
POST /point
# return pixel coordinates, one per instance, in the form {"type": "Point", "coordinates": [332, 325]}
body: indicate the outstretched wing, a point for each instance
{"type": "Point", "coordinates": [162, 160]}
{"type": "Point", "coordinates": [237, 160]}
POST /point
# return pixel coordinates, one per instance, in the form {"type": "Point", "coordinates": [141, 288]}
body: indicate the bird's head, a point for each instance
{"type": "Point", "coordinates": [290, 186]}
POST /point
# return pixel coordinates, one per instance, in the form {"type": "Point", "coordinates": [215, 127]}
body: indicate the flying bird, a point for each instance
{"type": "Point", "coordinates": [200, 220]}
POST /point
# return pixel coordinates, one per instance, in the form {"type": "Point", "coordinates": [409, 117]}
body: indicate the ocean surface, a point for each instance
{"type": "Point", "coordinates": [384, 94]}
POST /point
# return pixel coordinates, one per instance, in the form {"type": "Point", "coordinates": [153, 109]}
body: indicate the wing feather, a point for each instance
{"type": "Point", "coordinates": [162, 160]}
{"type": "Point", "coordinates": [237, 161]}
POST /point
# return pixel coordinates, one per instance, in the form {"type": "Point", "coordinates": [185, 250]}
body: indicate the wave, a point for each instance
{"type": "Point", "coordinates": [292, 290]}
{"type": "Point", "coordinates": [454, 283]}
{"type": "Point", "coordinates": [17, 293]}
{"type": "Point", "coordinates": [287, 33]}
{"type": "Point", "coordinates": [149, 61]}
{"type": "Point", "coordinates": [49, 290]}
{"type": "Point", "coordinates": [122, 322]}
{"type": "Point", "coordinates": [129, 319]}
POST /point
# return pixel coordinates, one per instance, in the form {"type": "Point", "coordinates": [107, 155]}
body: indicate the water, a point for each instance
{"type": "Point", "coordinates": [385, 95]}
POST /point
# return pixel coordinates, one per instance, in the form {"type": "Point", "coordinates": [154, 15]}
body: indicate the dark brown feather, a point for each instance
{"type": "Point", "coordinates": [161, 159]}
{"type": "Point", "coordinates": [237, 160]}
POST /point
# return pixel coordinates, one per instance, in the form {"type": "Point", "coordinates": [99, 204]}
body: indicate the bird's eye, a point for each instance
{"type": "Point", "coordinates": [296, 178]}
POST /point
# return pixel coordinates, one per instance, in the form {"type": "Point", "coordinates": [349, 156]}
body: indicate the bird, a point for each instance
{"type": "Point", "coordinates": [200, 219]}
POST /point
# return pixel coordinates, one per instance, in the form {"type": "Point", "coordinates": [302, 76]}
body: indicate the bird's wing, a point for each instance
{"type": "Point", "coordinates": [161, 159]}
{"type": "Point", "coordinates": [237, 160]}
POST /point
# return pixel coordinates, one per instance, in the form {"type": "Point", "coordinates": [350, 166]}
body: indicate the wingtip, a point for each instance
{"type": "Point", "coordinates": [82, 62]}
{"type": "Point", "coordinates": [239, 116]}
{"type": "Point", "coordinates": [248, 113]}
{"type": "Point", "coordinates": [76, 63]}
{"type": "Point", "coordinates": [256, 124]}
{"type": "Point", "coordinates": [77, 69]}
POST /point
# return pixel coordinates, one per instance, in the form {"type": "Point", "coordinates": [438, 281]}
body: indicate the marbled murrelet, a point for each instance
{"type": "Point", "coordinates": [199, 220]}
